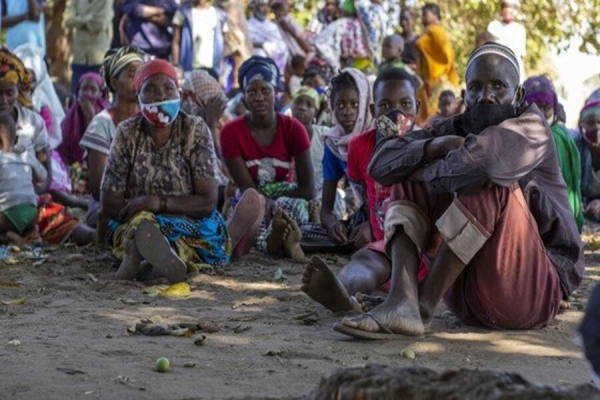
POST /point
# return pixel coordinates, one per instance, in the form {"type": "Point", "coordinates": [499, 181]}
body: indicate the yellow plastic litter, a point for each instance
{"type": "Point", "coordinates": [181, 289]}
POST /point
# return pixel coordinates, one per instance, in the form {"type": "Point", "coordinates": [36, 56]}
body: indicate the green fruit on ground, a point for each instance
{"type": "Point", "coordinates": [162, 364]}
{"type": "Point", "coordinates": [408, 354]}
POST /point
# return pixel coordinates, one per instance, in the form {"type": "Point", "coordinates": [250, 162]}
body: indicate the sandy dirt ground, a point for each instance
{"type": "Point", "coordinates": [271, 340]}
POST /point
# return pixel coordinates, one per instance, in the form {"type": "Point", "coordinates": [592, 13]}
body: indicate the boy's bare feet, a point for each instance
{"type": "Point", "coordinates": [320, 284]}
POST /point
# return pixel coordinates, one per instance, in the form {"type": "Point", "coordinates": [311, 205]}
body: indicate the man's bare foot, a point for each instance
{"type": "Point", "coordinates": [314, 211]}
{"type": "Point", "coordinates": [278, 226]}
{"type": "Point", "coordinates": [369, 302]}
{"type": "Point", "coordinates": [403, 319]}
{"type": "Point", "coordinates": [130, 266]}
{"type": "Point", "coordinates": [291, 240]}
{"type": "Point", "coordinates": [320, 284]}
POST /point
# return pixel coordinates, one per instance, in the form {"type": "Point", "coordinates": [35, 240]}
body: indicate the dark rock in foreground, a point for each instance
{"type": "Point", "coordinates": [375, 382]}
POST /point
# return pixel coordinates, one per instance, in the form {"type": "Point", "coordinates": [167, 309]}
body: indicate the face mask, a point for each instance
{"type": "Point", "coordinates": [394, 123]}
{"type": "Point", "coordinates": [259, 16]}
{"type": "Point", "coordinates": [591, 136]}
{"type": "Point", "coordinates": [481, 116]}
{"type": "Point", "coordinates": [550, 121]}
{"type": "Point", "coordinates": [162, 113]}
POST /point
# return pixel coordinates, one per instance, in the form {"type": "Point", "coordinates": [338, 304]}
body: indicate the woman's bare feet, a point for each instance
{"type": "Point", "coordinates": [291, 240]}
{"type": "Point", "coordinates": [130, 266]}
{"type": "Point", "coordinates": [278, 227]}
{"type": "Point", "coordinates": [314, 211]}
{"type": "Point", "coordinates": [154, 247]}
{"type": "Point", "coordinates": [245, 221]}
{"type": "Point", "coordinates": [403, 318]}
{"type": "Point", "coordinates": [320, 284]}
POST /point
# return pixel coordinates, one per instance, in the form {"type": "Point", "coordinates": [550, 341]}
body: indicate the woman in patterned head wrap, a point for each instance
{"type": "Point", "coordinates": [540, 90]}
{"type": "Point", "coordinates": [15, 84]}
{"type": "Point", "coordinates": [204, 96]}
{"type": "Point", "coordinates": [118, 69]}
{"type": "Point", "coordinates": [268, 157]}
{"type": "Point", "coordinates": [54, 223]}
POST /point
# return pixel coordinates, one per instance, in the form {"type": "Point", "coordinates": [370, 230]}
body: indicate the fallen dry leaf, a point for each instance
{"type": "Point", "coordinates": [16, 302]}
{"type": "Point", "coordinates": [7, 284]}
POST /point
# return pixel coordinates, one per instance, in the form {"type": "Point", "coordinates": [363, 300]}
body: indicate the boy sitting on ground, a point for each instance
{"type": "Point", "coordinates": [18, 201]}
{"type": "Point", "coordinates": [394, 100]}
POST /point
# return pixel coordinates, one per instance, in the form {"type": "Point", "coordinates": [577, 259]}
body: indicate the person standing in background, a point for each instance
{"type": "Point", "coordinates": [237, 45]}
{"type": "Point", "coordinates": [198, 36]}
{"type": "Point", "coordinates": [91, 21]}
{"type": "Point", "coordinates": [24, 23]}
{"type": "Point", "coordinates": [509, 32]}
{"type": "Point", "coordinates": [147, 24]}
{"type": "Point", "coordinates": [407, 23]}
{"type": "Point", "coordinates": [265, 35]}
{"type": "Point", "coordinates": [436, 62]}
{"type": "Point", "coordinates": [290, 29]}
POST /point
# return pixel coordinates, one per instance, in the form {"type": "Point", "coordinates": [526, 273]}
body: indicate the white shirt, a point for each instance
{"type": "Point", "coordinates": [204, 22]}
{"type": "Point", "coordinates": [99, 134]}
{"type": "Point", "coordinates": [16, 178]}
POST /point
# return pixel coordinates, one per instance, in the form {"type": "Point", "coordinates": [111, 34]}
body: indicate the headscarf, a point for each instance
{"type": "Point", "coordinates": [74, 124]}
{"type": "Point", "coordinates": [198, 90]}
{"type": "Point", "coordinates": [309, 92]}
{"type": "Point", "coordinates": [259, 68]}
{"type": "Point", "coordinates": [497, 49]}
{"type": "Point", "coordinates": [44, 94]}
{"type": "Point", "coordinates": [591, 108]}
{"type": "Point", "coordinates": [115, 60]}
{"type": "Point", "coordinates": [13, 70]}
{"type": "Point", "coordinates": [539, 89]}
{"type": "Point", "coordinates": [348, 7]}
{"type": "Point", "coordinates": [336, 139]}
{"type": "Point", "coordinates": [154, 67]}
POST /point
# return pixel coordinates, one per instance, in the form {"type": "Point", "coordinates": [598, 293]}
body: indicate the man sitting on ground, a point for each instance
{"type": "Point", "coordinates": [487, 182]}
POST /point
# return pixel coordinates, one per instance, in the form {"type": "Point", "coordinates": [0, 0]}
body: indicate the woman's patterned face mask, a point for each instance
{"type": "Point", "coordinates": [162, 113]}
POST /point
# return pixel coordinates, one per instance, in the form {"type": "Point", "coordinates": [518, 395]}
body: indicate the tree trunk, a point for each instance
{"type": "Point", "coordinates": [58, 42]}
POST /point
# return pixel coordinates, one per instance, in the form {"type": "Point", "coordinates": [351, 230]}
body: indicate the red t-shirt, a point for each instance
{"type": "Point", "coordinates": [273, 163]}
{"type": "Point", "coordinates": [360, 151]}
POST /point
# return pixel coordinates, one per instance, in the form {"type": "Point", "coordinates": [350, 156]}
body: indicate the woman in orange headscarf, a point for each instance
{"type": "Point", "coordinates": [435, 64]}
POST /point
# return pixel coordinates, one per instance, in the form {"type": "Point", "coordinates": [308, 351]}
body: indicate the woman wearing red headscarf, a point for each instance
{"type": "Point", "coordinates": [160, 185]}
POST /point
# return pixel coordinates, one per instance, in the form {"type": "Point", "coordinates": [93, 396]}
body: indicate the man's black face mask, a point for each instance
{"type": "Point", "coordinates": [483, 115]}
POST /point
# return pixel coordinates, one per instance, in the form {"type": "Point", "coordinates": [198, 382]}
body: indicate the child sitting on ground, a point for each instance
{"type": "Point", "coordinates": [18, 201]}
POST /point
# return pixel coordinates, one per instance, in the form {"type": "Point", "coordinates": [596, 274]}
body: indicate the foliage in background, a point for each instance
{"type": "Point", "coordinates": [548, 23]}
